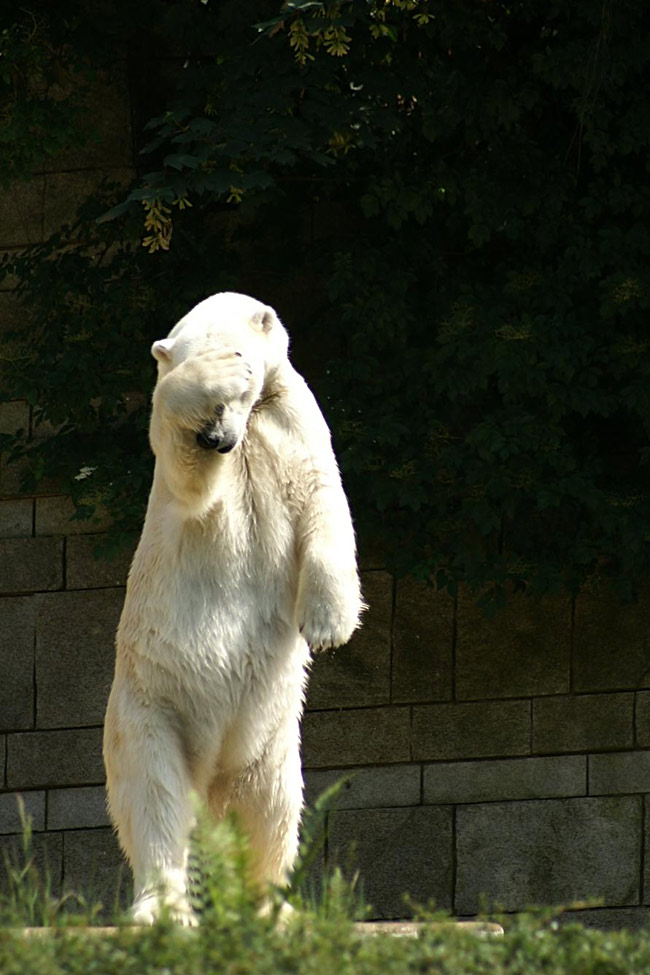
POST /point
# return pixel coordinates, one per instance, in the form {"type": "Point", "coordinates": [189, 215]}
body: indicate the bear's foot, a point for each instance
{"type": "Point", "coordinates": [285, 913]}
{"type": "Point", "coordinates": [151, 907]}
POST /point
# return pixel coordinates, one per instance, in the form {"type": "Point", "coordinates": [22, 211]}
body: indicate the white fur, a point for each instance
{"type": "Point", "coordinates": [246, 560]}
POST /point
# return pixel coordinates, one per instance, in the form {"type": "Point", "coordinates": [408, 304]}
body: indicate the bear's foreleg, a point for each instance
{"type": "Point", "coordinates": [328, 604]}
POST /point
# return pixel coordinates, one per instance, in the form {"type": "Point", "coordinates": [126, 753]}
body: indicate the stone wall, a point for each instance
{"type": "Point", "coordinates": [498, 760]}
{"type": "Point", "coordinates": [507, 759]}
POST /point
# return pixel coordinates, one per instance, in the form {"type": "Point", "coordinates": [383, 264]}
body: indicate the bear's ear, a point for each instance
{"type": "Point", "coordinates": [162, 350]}
{"type": "Point", "coordinates": [265, 319]}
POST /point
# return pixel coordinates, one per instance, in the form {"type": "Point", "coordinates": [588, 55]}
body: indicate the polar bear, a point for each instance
{"type": "Point", "coordinates": [246, 562]}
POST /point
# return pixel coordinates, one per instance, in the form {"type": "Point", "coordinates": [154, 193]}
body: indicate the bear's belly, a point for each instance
{"type": "Point", "coordinates": [211, 623]}
{"type": "Point", "coordinates": [225, 665]}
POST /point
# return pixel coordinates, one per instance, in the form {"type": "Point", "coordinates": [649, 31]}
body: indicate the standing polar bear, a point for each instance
{"type": "Point", "coordinates": [246, 561]}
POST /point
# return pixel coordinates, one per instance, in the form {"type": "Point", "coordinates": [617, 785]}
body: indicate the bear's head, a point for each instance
{"type": "Point", "coordinates": [247, 329]}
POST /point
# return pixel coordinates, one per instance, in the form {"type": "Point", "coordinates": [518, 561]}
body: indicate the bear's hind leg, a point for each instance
{"type": "Point", "coordinates": [149, 797]}
{"type": "Point", "coordinates": [267, 796]}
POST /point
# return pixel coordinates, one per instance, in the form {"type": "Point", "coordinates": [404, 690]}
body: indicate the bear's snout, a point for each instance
{"type": "Point", "coordinates": [212, 439]}
{"type": "Point", "coordinates": [221, 432]}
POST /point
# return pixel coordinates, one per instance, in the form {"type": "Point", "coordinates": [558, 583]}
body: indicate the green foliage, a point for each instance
{"type": "Point", "coordinates": [316, 947]}
{"type": "Point", "coordinates": [86, 369]}
{"type": "Point", "coordinates": [27, 898]}
{"type": "Point", "coordinates": [462, 190]}
{"type": "Point", "coordinates": [42, 88]}
{"type": "Point", "coordinates": [313, 832]}
{"type": "Point", "coordinates": [235, 938]}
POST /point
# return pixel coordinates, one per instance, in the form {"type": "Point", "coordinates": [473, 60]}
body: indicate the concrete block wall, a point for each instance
{"type": "Point", "coordinates": [505, 763]}
{"type": "Point", "coordinates": [58, 605]}
{"type": "Point", "coordinates": [59, 608]}
{"type": "Point", "coordinates": [528, 785]}
{"type": "Point", "coordinates": [506, 759]}
{"type": "Point", "coordinates": [56, 646]}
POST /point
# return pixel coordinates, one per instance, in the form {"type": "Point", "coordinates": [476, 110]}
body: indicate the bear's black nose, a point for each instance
{"type": "Point", "coordinates": [210, 440]}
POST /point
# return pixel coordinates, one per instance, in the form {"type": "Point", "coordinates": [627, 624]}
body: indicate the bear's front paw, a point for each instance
{"type": "Point", "coordinates": [197, 389]}
{"type": "Point", "coordinates": [323, 625]}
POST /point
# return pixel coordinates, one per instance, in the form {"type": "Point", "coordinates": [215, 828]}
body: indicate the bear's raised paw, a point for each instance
{"type": "Point", "coordinates": [323, 628]}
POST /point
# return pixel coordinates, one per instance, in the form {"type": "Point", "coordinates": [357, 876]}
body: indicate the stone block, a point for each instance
{"type": "Point", "coordinates": [522, 652]}
{"type": "Point", "coordinates": [14, 324]}
{"type": "Point", "coordinates": [642, 718]}
{"type": "Point", "coordinates": [17, 628]}
{"type": "Point", "coordinates": [14, 416]}
{"type": "Point", "coordinates": [423, 636]}
{"type": "Point", "coordinates": [77, 808]}
{"type": "Point", "coordinates": [14, 806]}
{"type": "Point", "coordinates": [471, 730]}
{"type": "Point", "coordinates": [38, 759]}
{"type": "Point", "coordinates": [359, 673]}
{"type": "Point", "coordinates": [45, 853]}
{"type": "Point", "coordinates": [367, 788]}
{"type": "Point", "coordinates": [42, 429]}
{"type": "Point", "coordinates": [619, 773]}
{"type": "Point", "coordinates": [11, 476]}
{"type": "Point", "coordinates": [397, 852]}
{"type": "Point", "coordinates": [611, 641]}
{"type": "Point", "coordinates": [21, 213]}
{"type": "Point", "coordinates": [55, 516]}
{"type": "Point", "coordinates": [547, 852]}
{"type": "Point", "coordinates": [109, 142]}
{"type": "Point", "coordinates": [514, 778]}
{"type": "Point", "coordinates": [371, 551]}
{"type": "Point", "coordinates": [65, 192]}
{"type": "Point", "coordinates": [589, 722]}
{"type": "Point", "coordinates": [364, 736]}
{"type": "Point", "coordinates": [609, 918]}
{"type": "Point", "coordinates": [30, 564]}
{"type": "Point", "coordinates": [646, 852]}
{"type": "Point", "coordinates": [9, 281]}
{"type": "Point", "coordinates": [552, 851]}
{"type": "Point", "coordinates": [16, 518]}
{"type": "Point", "coordinates": [75, 633]}
{"type": "Point", "coordinates": [12, 316]}
{"type": "Point", "coordinates": [311, 877]}
{"type": "Point", "coordinates": [15, 473]}
{"type": "Point", "coordinates": [94, 869]}
{"type": "Point", "coordinates": [85, 570]}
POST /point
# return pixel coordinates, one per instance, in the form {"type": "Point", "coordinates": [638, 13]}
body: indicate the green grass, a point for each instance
{"type": "Point", "coordinates": [236, 943]}
{"type": "Point", "coordinates": [232, 938]}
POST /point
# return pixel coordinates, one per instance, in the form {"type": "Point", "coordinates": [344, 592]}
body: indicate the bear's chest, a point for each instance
{"type": "Point", "coordinates": [226, 581]}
